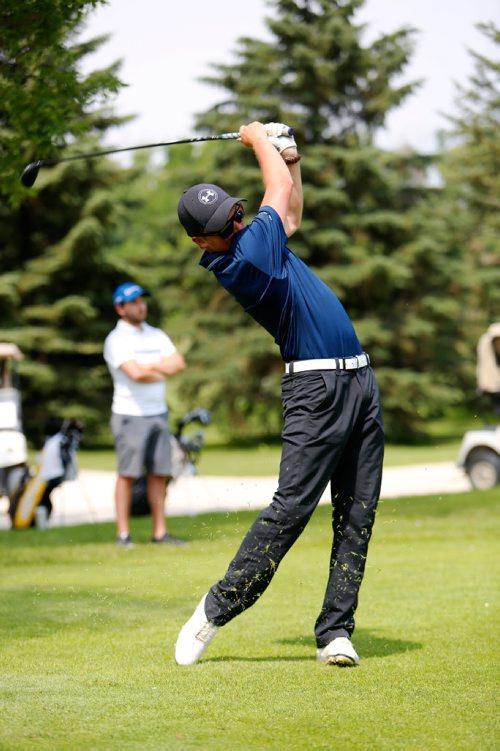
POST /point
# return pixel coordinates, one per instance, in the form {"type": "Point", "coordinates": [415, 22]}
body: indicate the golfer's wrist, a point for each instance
{"type": "Point", "coordinates": [291, 156]}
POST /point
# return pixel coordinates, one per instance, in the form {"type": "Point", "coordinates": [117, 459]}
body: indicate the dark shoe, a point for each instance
{"type": "Point", "coordinates": [167, 540]}
{"type": "Point", "coordinates": [124, 541]}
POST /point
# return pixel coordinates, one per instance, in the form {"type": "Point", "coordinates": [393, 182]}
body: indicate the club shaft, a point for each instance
{"type": "Point", "coordinates": [220, 137]}
{"type": "Point", "coordinates": [30, 172]}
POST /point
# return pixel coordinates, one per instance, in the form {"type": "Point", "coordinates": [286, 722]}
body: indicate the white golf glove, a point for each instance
{"type": "Point", "coordinates": [277, 129]}
{"type": "Point", "coordinates": [278, 135]}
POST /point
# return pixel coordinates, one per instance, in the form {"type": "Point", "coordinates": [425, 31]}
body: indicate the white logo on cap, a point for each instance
{"type": "Point", "coordinates": [207, 196]}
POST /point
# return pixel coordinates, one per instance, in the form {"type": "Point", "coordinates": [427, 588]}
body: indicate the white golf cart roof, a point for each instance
{"type": "Point", "coordinates": [7, 349]}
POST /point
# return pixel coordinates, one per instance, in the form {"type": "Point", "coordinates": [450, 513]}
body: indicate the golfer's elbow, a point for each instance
{"type": "Point", "coordinates": [292, 224]}
{"type": "Point", "coordinates": [293, 217]}
{"type": "Point", "coordinates": [281, 185]}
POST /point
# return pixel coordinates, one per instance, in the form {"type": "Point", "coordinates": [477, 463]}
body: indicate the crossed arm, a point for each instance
{"type": "Point", "coordinates": [153, 372]}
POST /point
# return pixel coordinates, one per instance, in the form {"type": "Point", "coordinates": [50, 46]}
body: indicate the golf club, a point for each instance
{"type": "Point", "coordinates": [30, 172]}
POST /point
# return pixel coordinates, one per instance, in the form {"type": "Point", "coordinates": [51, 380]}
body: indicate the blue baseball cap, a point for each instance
{"type": "Point", "coordinates": [127, 292]}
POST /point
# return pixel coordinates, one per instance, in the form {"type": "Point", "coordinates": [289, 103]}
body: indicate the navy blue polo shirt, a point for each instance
{"type": "Point", "coordinates": [281, 293]}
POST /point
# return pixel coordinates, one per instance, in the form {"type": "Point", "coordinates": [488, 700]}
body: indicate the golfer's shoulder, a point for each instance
{"type": "Point", "coordinates": [111, 336]}
{"type": "Point", "coordinates": [148, 330]}
{"type": "Point", "coordinates": [268, 226]}
{"type": "Point", "coordinates": [267, 214]}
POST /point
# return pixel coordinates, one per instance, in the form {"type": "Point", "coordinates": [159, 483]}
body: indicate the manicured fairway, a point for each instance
{"type": "Point", "coordinates": [87, 636]}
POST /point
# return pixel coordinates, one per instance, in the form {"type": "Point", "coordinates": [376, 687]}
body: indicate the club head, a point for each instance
{"type": "Point", "coordinates": [29, 174]}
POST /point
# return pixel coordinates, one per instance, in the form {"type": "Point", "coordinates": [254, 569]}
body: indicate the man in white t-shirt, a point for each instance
{"type": "Point", "coordinates": [140, 357]}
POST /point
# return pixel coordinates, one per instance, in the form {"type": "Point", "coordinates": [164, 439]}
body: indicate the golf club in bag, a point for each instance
{"type": "Point", "coordinates": [30, 172]}
{"type": "Point", "coordinates": [185, 453]}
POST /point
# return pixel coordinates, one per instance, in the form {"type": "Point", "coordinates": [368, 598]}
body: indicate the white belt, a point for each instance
{"type": "Point", "coordinates": [331, 363]}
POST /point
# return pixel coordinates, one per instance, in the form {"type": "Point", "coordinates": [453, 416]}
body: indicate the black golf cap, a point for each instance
{"type": "Point", "coordinates": [203, 209]}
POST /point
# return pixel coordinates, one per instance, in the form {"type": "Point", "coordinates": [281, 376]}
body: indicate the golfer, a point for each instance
{"type": "Point", "coordinates": [332, 428]}
{"type": "Point", "coordinates": [140, 358]}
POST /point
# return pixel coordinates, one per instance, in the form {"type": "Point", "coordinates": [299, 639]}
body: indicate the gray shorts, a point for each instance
{"type": "Point", "coordinates": [142, 444]}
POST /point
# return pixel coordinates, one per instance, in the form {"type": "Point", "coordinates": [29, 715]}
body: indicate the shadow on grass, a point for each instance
{"type": "Point", "coordinates": [274, 658]}
{"type": "Point", "coordinates": [368, 645]}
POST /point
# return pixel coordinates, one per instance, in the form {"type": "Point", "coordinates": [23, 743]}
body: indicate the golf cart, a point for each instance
{"type": "Point", "coordinates": [479, 453]}
{"type": "Point", "coordinates": [27, 487]}
{"type": "Point", "coordinates": [13, 446]}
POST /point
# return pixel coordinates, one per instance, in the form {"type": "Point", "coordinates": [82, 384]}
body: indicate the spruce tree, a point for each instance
{"type": "Point", "coordinates": [63, 307]}
{"type": "Point", "coordinates": [44, 99]}
{"type": "Point", "coordinates": [56, 281]}
{"type": "Point", "coordinates": [471, 168]}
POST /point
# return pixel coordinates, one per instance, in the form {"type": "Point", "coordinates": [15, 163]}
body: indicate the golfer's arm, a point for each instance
{"type": "Point", "coordinates": [277, 178]}
{"type": "Point", "coordinates": [296, 203]}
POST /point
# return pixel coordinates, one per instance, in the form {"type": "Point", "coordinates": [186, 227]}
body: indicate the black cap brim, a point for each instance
{"type": "Point", "coordinates": [220, 217]}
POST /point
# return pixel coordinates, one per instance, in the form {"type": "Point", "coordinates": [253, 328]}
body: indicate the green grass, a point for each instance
{"type": "Point", "coordinates": [263, 460]}
{"type": "Point", "coordinates": [254, 459]}
{"type": "Point", "coordinates": [88, 632]}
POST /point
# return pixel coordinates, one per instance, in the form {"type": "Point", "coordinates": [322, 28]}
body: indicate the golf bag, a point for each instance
{"type": "Point", "coordinates": [57, 463]}
{"type": "Point", "coordinates": [185, 452]}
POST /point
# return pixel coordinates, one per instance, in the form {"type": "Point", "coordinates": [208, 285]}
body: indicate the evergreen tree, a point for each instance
{"type": "Point", "coordinates": [62, 309]}
{"type": "Point", "coordinates": [43, 97]}
{"type": "Point", "coordinates": [56, 280]}
{"type": "Point", "coordinates": [471, 168]}
{"type": "Point", "coordinates": [372, 228]}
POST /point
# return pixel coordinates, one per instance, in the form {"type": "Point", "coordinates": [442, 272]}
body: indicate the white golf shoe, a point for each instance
{"type": "Point", "coordinates": [338, 652]}
{"type": "Point", "coordinates": [194, 637]}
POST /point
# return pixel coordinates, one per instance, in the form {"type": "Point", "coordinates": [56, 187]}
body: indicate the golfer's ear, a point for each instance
{"type": "Point", "coordinates": [200, 242]}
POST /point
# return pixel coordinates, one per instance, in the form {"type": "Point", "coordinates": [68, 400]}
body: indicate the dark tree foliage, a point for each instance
{"type": "Point", "coordinates": [471, 167]}
{"type": "Point", "coordinates": [55, 283]}
{"type": "Point", "coordinates": [43, 97]}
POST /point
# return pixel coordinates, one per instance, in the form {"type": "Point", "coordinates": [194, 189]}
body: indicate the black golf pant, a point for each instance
{"type": "Point", "coordinates": [332, 432]}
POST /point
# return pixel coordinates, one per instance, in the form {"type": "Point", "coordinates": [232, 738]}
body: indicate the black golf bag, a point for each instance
{"type": "Point", "coordinates": [185, 452]}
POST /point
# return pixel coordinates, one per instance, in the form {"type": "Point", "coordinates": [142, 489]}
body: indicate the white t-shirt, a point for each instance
{"type": "Point", "coordinates": [145, 345]}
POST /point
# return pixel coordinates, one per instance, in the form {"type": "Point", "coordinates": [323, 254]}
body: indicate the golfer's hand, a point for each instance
{"type": "Point", "coordinates": [280, 136]}
{"type": "Point", "coordinates": [274, 130]}
{"type": "Point", "coordinates": [252, 134]}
